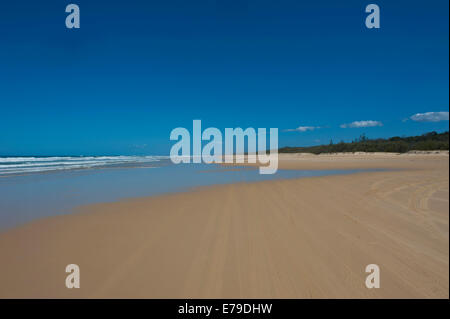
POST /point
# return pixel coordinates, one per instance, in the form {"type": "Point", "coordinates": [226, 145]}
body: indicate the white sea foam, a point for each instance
{"type": "Point", "coordinates": [24, 165]}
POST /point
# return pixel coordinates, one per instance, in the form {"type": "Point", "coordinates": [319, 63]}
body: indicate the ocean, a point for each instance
{"type": "Point", "coordinates": [27, 165]}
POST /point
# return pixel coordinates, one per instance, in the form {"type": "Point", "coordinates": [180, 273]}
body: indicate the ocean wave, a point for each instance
{"type": "Point", "coordinates": [23, 165]}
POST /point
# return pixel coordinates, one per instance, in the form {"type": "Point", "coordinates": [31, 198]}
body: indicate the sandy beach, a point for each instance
{"type": "Point", "coordinates": [296, 238]}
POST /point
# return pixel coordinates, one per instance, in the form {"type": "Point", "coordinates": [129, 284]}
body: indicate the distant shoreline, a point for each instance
{"type": "Point", "coordinates": [425, 142]}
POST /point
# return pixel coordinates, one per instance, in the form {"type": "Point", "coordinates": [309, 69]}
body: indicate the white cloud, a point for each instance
{"type": "Point", "coordinates": [357, 124]}
{"type": "Point", "coordinates": [302, 129]}
{"type": "Point", "coordinates": [430, 117]}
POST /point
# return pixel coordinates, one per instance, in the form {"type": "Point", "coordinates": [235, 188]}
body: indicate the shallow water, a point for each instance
{"type": "Point", "coordinates": [27, 197]}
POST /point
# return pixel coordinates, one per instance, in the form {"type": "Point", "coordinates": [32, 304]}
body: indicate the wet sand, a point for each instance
{"type": "Point", "coordinates": [300, 238]}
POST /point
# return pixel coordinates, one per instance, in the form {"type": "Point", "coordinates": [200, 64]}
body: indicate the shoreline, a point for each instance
{"type": "Point", "coordinates": [80, 209]}
{"type": "Point", "coordinates": [359, 160]}
{"type": "Point", "coordinates": [299, 238]}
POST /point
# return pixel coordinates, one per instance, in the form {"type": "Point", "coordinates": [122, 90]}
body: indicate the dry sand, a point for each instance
{"type": "Point", "coordinates": [303, 238]}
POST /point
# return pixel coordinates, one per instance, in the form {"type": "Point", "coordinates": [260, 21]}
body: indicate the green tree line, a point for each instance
{"type": "Point", "coordinates": [426, 142]}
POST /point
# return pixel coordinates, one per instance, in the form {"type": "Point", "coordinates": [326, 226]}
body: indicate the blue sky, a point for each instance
{"type": "Point", "coordinates": [137, 69]}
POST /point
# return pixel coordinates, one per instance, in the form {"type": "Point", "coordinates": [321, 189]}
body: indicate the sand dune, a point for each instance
{"type": "Point", "coordinates": [303, 238]}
